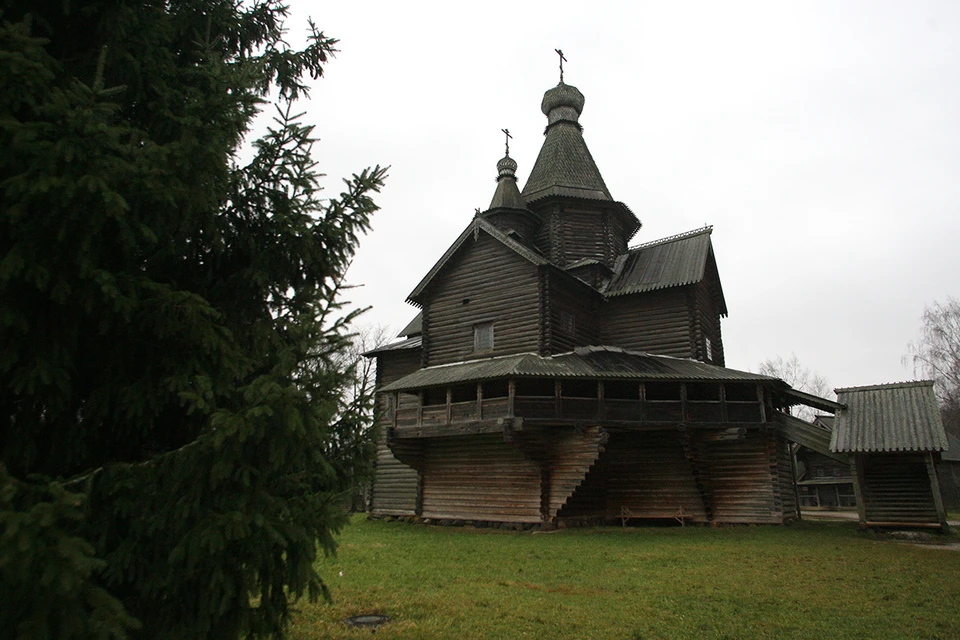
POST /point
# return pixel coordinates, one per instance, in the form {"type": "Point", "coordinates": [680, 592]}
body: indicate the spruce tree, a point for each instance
{"type": "Point", "coordinates": [171, 337]}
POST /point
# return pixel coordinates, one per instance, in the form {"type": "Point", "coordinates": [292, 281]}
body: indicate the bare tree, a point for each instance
{"type": "Point", "coordinates": [936, 355]}
{"type": "Point", "coordinates": [357, 410]}
{"type": "Point", "coordinates": [799, 377]}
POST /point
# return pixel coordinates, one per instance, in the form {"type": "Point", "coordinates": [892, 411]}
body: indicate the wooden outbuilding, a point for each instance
{"type": "Point", "coordinates": [555, 373]}
{"type": "Point", "coordinates": [894, 437]}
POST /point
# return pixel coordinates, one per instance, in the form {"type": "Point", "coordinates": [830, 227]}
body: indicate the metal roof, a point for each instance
{"type": "Point", "coordinates": [889, 417]}
{"type": "Point", "coordinates": [585, 363]}
{"type": "Point", "coordinates": [669, 262]}
{"type": "Point", "coordinates": [409, 343]}
{"type": "Point", "coordinates": [952, 454]}
{"type": "Point", "coordinates": [476, 226]}
{"type": "Point", "coordinates": [414, 328]}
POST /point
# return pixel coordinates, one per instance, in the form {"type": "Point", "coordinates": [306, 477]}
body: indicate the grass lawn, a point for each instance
{"type": "Point", "coordinates": [802, 581]}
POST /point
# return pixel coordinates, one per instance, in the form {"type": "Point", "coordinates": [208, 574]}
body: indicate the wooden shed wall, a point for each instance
{"type": "Point", "coordinates": [395, 485]}
{"type": "Point", "coordinates": [479, 478]}
{"type": "Point", "coordinates": [896, 488]}
{"type": "Point", "coordinates": [657, 322]}
{"type": "Point", "coordinates": [500, 287]}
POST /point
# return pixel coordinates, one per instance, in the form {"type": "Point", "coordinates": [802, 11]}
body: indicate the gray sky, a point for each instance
{"type": "Point", "coordinates": [820, 139]}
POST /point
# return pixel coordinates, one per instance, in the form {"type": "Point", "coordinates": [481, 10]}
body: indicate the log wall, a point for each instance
{"type": "Point", "coordinates": [486, 282]}
{"type": "Point", "coordinates": [739, 476]}
{"type": "Point", "coordinates": [657, 322]}
{"type": "Point", "coordinates": [570, 233]}
{"type": "Point", "coordinates": [479, 478]}
{"type": "Point", "coordinates": [569, 302]}
{"type": "Point", "coordinates": [395, 485]}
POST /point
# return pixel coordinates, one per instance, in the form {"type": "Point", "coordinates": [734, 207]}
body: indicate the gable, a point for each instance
{"type": "Point", "coordinates": [478, 227]}
{"type": "Point", "coordinates": [484, 282]}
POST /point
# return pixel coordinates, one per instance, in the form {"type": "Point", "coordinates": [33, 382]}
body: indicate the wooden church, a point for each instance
{"type": "Point", "coordinates": [554, 374]}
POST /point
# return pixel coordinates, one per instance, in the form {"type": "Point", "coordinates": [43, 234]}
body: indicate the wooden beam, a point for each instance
{"type": "Point", "coordinates": [474, 427]}
{"type": "Point", "coordinates": [935, 488]}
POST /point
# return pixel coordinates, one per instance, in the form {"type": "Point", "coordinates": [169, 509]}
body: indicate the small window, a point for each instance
{"type": "Point", "coordinates": [709, 349]}
{"type": "Point", "coordinates": [483, 336]}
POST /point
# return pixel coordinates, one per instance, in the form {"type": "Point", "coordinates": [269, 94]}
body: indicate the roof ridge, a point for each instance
{"type": "Point", "coordinates": [673, 238]}
{"type": "Point", "coordinates": [906, 384]}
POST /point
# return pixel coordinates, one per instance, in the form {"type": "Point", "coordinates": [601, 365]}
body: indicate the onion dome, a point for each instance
{"type": "Point", "coordinates": [564, 166]}
{"type": "Point", "coordinates": [507, 195]}
{"type": "Point", "coordinates": [563, 102]}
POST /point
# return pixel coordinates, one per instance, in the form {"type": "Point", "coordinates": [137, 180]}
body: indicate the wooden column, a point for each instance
{"type": "Point", "coordinates": [479, 401]}
{"type": "Point", "coordinates": [793, 472]}
{"type": "Point", "coordinates": [449, 402]}
{"type": "Point", "coordinates": [856, 461]}
{"type": "Point", "coordinates": [935, 488]}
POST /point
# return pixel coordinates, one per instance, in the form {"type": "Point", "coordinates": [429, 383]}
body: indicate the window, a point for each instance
{"type": "Point", "coordinates": [709, 350]}
{"type": "Point", "coordinates": [483, 336]}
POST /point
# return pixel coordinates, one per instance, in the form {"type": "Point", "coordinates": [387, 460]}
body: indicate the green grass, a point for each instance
{"type": "Point", "coordinates": [802, 581]}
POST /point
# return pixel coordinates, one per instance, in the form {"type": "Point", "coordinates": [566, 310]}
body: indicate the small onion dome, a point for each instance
{"type": "Point", "coordinates": [507, 167]}
{"type": "Point", "coordinates": [563, 102]}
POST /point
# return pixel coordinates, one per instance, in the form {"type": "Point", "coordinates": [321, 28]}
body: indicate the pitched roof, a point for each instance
{"type": "Point", "coordinates": [565, 168]}
{"type": "Point", "coordinates": [669, 262]}
{"type": "Point", "coordinates": [584, 363]}
{"type": "Point", "coordinates": [889, 417]}
{"type": "Point", "coordinates": [476, 226]}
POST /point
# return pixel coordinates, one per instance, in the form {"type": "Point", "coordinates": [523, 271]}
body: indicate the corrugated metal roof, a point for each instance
{"type": "Point", "coordinates": [476, 226]}
{"type": "Point", "coordinates": [952, 453]}
{"type": "Point", "coordinates": [589, 362]}
{"type": "Point", "coordinates": [409, 343]}
{"type": "Point", "coordinates": [669, 262]}
{"type": "Point", "coordinates": [889, 417]}
{"type": "Point", "coordinates": [414, 328]}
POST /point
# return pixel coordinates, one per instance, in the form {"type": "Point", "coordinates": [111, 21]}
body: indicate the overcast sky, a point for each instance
{"type": "Point", "coordinates": [820, 139]}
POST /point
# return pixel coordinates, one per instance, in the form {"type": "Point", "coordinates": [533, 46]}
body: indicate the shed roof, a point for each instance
{"type": "Point", "coordinates": [409, 343]}
{"type": "Point", "coordinates": [414, 327]}
{"type": "Point", "coordinates": [889, 417]}
{"type": "Point", "coordinates": [669, 262]}
{"type": "Point", "coordinates": [583, 363]}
